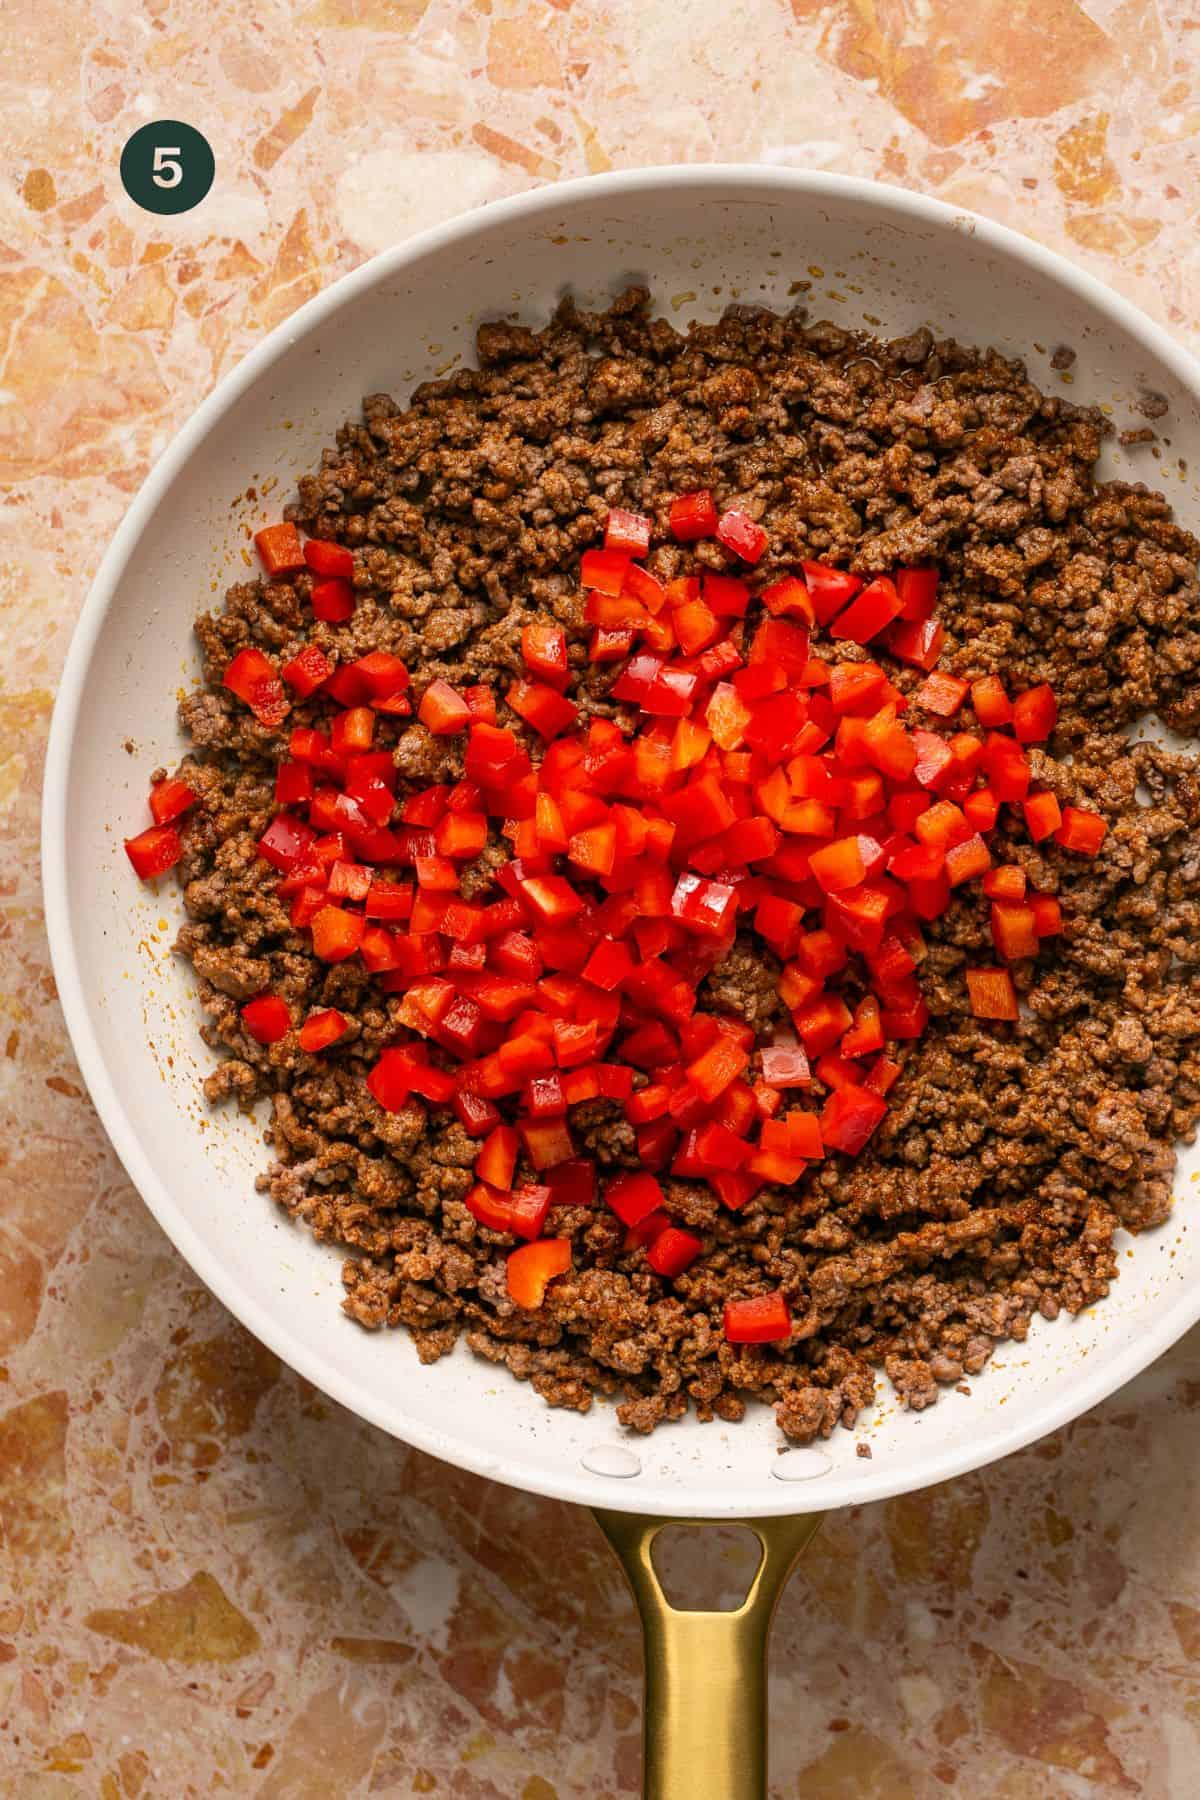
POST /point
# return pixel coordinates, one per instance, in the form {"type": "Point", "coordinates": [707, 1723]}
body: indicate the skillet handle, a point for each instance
{"type": "Point", "coordinates": [704, 1727]}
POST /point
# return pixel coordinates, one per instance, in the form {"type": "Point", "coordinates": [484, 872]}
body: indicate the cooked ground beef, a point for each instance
{"type": "Point", "coordinates": [1011, 1156]}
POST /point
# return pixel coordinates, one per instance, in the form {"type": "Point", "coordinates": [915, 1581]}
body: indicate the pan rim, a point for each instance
{"type": "Point", "coordinates": [763, 1498]}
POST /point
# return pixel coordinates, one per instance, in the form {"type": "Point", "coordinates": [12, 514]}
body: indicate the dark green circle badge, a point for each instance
{"type": "Point", "coordinates": [167, 167]}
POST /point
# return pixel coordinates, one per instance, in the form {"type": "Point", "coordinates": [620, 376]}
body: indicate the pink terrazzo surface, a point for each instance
{"type": "Point", "coordinates": [189, 1604]}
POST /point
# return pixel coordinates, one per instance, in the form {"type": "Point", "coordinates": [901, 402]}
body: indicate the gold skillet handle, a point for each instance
{"type": "Point", "coordinates": [704, 1726]}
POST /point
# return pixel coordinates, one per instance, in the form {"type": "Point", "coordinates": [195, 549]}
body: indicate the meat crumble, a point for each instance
{"type": "Point", "coordinates": [1011, 1156]}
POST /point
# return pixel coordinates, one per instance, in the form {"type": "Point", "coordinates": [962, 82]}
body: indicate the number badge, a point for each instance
{"type": "Point", "coordinates": [167, 166]}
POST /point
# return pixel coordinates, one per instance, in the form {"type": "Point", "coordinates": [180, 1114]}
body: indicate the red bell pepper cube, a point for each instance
{"type": "Point", "coordinates": [543, 1096]}
{"type": "Point", "coordinates": [251, 676]}
{"type": "Point", "coordinates": [604, 570]}
{"type": "Point", "coordinates": [856, 687]}
{"type": "Point", "coordinates": [1014, 930]}
{"type": "Point", "coordinates": [789, 596]}
{"type": "Point", "coordinates": [461, 835]}
{"type": "Point", "coordinates": [332, 601]}
{"type": "Point", "coordinates": [475, 1113]}
{"type": "Point", "coordinates": [673, 1251]}
{"type": "Point", "coordinates": [443, 711]}
{"type": "Point", "coordinates": [633, 1197]}
{"type": "Point", "coordinates": [693, 516]}
{"type": "Point", "coordinates": [830, 589]}
{"type": "Point", "coordinates": [991, 994]}
{"type": "Point", "coordinates": [573, 1183]}
{"type": "Point", "coordinates": [917, 588]}
{"type": "Point", "coordinates": [645, 588]}
{"type": "Point", "coordinates": [859, 914]}
{"type": "Point", "coordinates": [761, 1319]}
{"type": "Point", "coordinates": [741, 535]}
{"type": "Point", "coordinates": [865, 1035]}
{"type": "Point", "coordinates": [1043, 815]}
{"type": "Point", "coordinates": [286, 841]}
{"type": "Point", "coordinates": [718, 1147]}
{"type": "Point", "coordinates": [1081, 831]}
{"type": "Point", "coordinates": [382, 674]}
{"type": "Point", "coordinates": [336, 933]}
{"type": "Point", "coordinates": [609, 644]}
{"type": "Point", "coordinates": [887, 744]}
{"type": "Point", "coordinates": [967, 860]}
{"type": "Point", "coordinates": [321, 1029]}
{"type": "Point", "coordinates": [655, 1143]}
{"type": "Point", "coordinates": [867, 615]}
{"type": "Point", "coordinates": [796, 1134]}
{"type": "Point", "coordinates": [782, 644]}
{"type": "Point", "coordinates": [819, 953]}
{"type": "Point", "coordinates": [540, 706]}
{"type": "Point", "coordinates": [528, 1210]}
{"type": "Point", "coordinates": [648, 1103]}
{"type": "Point", "coordinates": [490, 1208]}
{"type": "Point", "coordinates": [349, 881]}
{"type": "Point", "coordinates": [991, 702]}
{"type": "Point", "coordinates": [280, 548]}
{"type": "Point", "coordinates": [169, 799]}
{"type": "Point", "coordinates": [726, 595]}
{"type": "Point", "coordinates": [532, 1268]}
{"type": "Point", "coordinates": [821, 1024]}
{"type": "Point", "coordinates": [307, 670]}
{"type": "Point", "coordinates": [267, 1018]}
{"type": "Point", "coordinates": [717, 1066]}
{"type": "Point", "coordinates": [1006, 766]}
{"type": "Point", "coordinates": [544, 652]}
{"type": "Point", "coordinates": [1005, 883]}
{"type": "Point", "coordinates": [378, 950]}
{"type": "Point", "coordinates": [293, 784]}
{"type": "Point", "coordinates": [775, 724]}
{"type": "Point", "coordinates": [941, 693]}
{"type": "Point", "coordinates": [546, 1141]}
{"type": "Point", "coordinates": [326, 558]}
{"type": "Point", "coordinates": [1047, 914]}
{"type": "Point", "coordinates": [918, 645]}
{"type": "Point", "coordinates": [696, 627]}
{"type": "Point", "coordinates": [914, 862]}
{"type": "Point", "coordinates": [388, 901]}
{"type": "Point", "coordinates": [849, 1117]}
{"type": "Point", "coordinates": [942, 825]}
{"type": "Point", "coordinates": [1035, 714]}
{"type": "Point", "coordinates": [626, 533]}
{"type": "Point", "coordinates": [882, 1076]}
{"type": "Point", "coordinates": [846, 863]}
{"type": "Point", "coordinates": [352, 731]}
{"type": "Point", "coordinates": [608, 964]}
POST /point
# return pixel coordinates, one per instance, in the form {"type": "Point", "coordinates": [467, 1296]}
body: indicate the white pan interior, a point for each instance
{"type": "Point", "coordinates": [700, 238]}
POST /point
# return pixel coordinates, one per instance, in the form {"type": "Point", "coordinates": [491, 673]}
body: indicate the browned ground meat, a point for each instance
{"type": "Point", "coordinates": [1011, 1155]}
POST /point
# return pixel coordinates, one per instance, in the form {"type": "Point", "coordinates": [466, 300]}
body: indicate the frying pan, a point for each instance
{"type": "Point", "coordinates": [858, 253]}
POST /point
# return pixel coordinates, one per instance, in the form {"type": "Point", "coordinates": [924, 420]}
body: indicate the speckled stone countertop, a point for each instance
{"type": "Point", "coordinates": [211, 1579]}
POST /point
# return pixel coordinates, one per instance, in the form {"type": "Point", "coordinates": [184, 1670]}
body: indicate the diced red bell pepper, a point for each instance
{"type": "Point", "coordinates": [917, 644]}
{"type": "Point", "coordinates": [865, 1036]}
{"type": "Point", "coordinates": [846, 863]}
{"type": "Point", "coordinates": [830, 589]}
{"type": "Point", "coordinates": [693, 516]}
{"type": "Point", "coordinates": [532, 1268]}
{"type": "Point", "coordinates": [280, 548]}
{"type": "Point", "coordinates": [1047, 914]}
{"type": "Point", "coordinates": [1014, 930]}
{"type": "Point", "coordinates": [855, 688]}
{"type": "Point", "coordinates": [1007, 767]}
{"type": "Point", "coordinates": [760, 1319]}
{"type": "Point", "coordinates": [1035, 714]}
{"type": "Point", "coordinates": [349, 881]}
{"type": "Point", "coordinates": [981, 809]}
{"type": "Point", "coordinates": [336, 933]}
{"type": "Point", "coordinates": [781, 643]}
{"type": "Point", "coordinates": [286, 841]}
{"type": "Point", "coordinates": [352, 731]}
{"type": "Point", "coordinates": [726, 595]}
{"type": "Point", "coordinates": [609, 643]}
{"type": "Point", "coordinates": [867, 615]}
{"type": "Point", "coordinates": [307, 670]}
{"type": "Point", "coordinates": [251, 676]}
{"type": "Point", "coordinates": [794, 1134]}
{"type": "Point", "coordinates": [1005, 883]}
{"type": "Point", "coordinates": [990, 699]}
{"type": "Point", "coordinates": [1081, 831]}
{"type": "Point", "coordinates": [326, 558]}
{"type": "Point", "coordinates": [941, 693]}
{"type": "Point", "coordinates": [917, 588]}
{"type": "Point", "coordinates": [293, 784]}
{"type": "Point", "coordinates": [321, 1029]}
{"type": "Point", "coordinates": [169, 799]}
{"type": "Point", "coordinates": [626, 533]}
{"type": "Point", "coordinates": [604, 570]}
{"type": "Point", "coordinates": [488, 1207]}
{"type": "Point", "coordinates": [544, 652]}
{"type": "Point", "coordinates": [475, 1113]}
{"type": "Point", "coordinates": [528, 1210]}
{"type": "Point", "coordinates": [443, 711]}
{"type": "Point", "coordinates": [741, 535]}
{"type": "Point", "coordinates": [404, 1070]}
{"type": "Point", "coordinates": [267, 1018]}
{"type": "Point", "coordinates": [634, 1197]}
{"type": "Point", "coordinates": [849, 1117]}
{"type": "Point", "coordinates": [540, 706]}
{"type": "Point", "coordinates": [332, 601]}
{"type": "Point", "coordinates": [821, 1024]}
{"type": "Point", "coordinates": [546, 1141]}
{"type": "Point", "coordinates": [789, 596]}
{"type": "Point", "coordinates": [942, 825]}
{"type": "Point", "coordinates": [967, 860]}
{"type": "Point", "coordinates": [717, 1066]}
{"type": "Point", "coordinates": [1043, 815]}
{"type": "Point", "coordinates": [883, 1076]}
{"type": "Point", "coordinates": [992, 994]}
{"type": "Point", "coordinates": [673, 1251]}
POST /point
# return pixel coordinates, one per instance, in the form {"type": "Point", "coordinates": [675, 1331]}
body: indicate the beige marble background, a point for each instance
{"type": "Point", "coordinates": [212, 1580]}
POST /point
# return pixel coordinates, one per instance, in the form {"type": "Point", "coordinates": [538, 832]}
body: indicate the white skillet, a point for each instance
{"type": "Point", "coordinates": [873, 256]}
